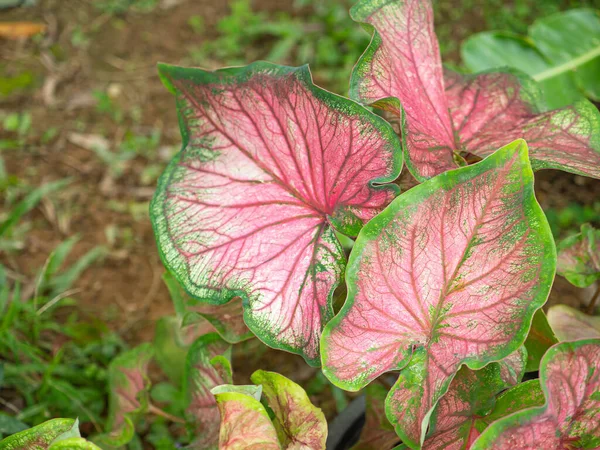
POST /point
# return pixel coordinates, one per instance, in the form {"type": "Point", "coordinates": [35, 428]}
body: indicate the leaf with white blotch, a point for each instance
{"type": "Point", "coordinates": [377, 433]}
{"type": "Point", "coordinates": [539, 339]}
{"type": "Point", "coordinates": [570, 379]}
{"type": "Point", "coordinates": [245, 423]}
{"type": "Point", "coordinates": [128, 396]}
{"type": "Point", "coordinates": [227, 319]}
{"type": "Point", "coordinates": [450, 273]}
{"type": "Point", "coordinates": [39, 437]}
{"type": "Point", "coordinates": [570, 324]}
{"type": "Point", "coordinates": [561, 53]}
{"type": "Point", "coordinates": [458, 417]}
{"type": "Point", "coordinates": [270, 165]}
{"type": "Point", "coordinates": [401, 72]}
{"type": "Point", "coordinates": [201, 375]}
{"type": "Point", "coordinates": [579, 257]}
{"type": "Point", "coordinates": [299, 424]}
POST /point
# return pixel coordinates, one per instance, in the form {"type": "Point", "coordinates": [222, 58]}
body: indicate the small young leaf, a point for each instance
{"type": "Point", "coordinates": [129, 387]}
{"type": "Point", "coordinates": [539, 340]}
{"type": "Point", "coordinates": [200, 377]}
{"type": "Point", "coordinates": [570, 378]}
{"type": "Point", "coordinates": [38, 437]}
{"type": "Point", "coordinates": [450, 273]}
{"type": "Point", "coordinates": [579, 257]}
{"type": "Point", "coordinates": [401, 72]}
{"type": "Point", "coordinates": [377, 433]}
{"type": "Point", "coordinates": [570, 324]}
{"type": "Point", "coordinates": [299, 424]}
{"type": "Point", "coordinates": [245, 424]}
{"type": "Point", "coordinates": [269, 162]}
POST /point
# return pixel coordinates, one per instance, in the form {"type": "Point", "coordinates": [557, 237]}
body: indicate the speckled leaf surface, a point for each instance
{"type": "Point", "coordinates": [457, 419]}
{"type": "Point", "coordinates": [450, 273]}
{"type": "Point", "coordinates": [74, 443]}
{"type": "Point", "coordinates": [570, 378]}
{"type": "Point", "coordinates": [128, 396]}
{"type": "Point", "coordinates": [403, 63]}
{"type": "Point", "coordinates": [245, 424]}
{"type": "Point", "coordinates": [200, 377]}
{"type": "Point", "coordinates": [299, 424]}
{"type": "Point", "coordinates": [269, 163]}
{"type": "Point", "coordinates": [446, 121]}
{"type": "Point", "coordinates": [490, 109]}
{"type": "Point", "coordinates": [377, 433]}
{"type": "Point", "coordinates": [570, 324]}
{"type": "Point", "coordinates": [38, 437]}
{"type": "Point", "coordinates": [579, 257]}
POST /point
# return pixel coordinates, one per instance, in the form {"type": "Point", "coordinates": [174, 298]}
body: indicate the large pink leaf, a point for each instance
{"type": "Point", "coordinates": [570, 324]}
{"type": "Point", "coordinates": [570, 377]}
{"type": "Point", "coordinates": [458, 418]}
{"type": "Point", "coordinates": [401, 72]}
{"type": "Point", "coordinates": [450, 273]}
{"type": "Point", "coordinates": [403, 62]}
{"type": "Point", "coordinates": [269, 163]}
{"type": "Point", "coordinates": [490, 109]}
{"type": "Point", "coordinates": [579, 257]}
{"type": "Point", "coordinates": [200, 377]}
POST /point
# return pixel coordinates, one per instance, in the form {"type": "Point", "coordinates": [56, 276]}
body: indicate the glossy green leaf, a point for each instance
{"type": "Point", "coordinates": [299, 424]}
{"type": "Point", "coordinates": [579, 257]}
{"type": "Point", "coordinates": [39, 437]}
{"type": "Point", "coordinates": [539, 340]}
{"type": "Point", "coordinates": [570, 324]}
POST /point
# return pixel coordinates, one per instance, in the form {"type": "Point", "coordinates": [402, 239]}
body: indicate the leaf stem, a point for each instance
{"type": "Point", "coordinates": [569, 65]}
{"type": "Point", "coordinates": [592, 306]}
{"type": "Point", "coordinates": [159, 412]}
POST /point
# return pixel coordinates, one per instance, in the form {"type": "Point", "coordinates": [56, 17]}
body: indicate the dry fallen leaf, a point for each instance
{"type": "Point", "coordinates": [18, 30]}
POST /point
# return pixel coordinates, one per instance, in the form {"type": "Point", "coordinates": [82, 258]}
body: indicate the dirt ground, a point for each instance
{"type": "Point", "coordinates": [125, 289]}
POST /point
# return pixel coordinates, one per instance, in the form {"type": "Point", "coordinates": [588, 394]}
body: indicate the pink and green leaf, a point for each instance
{"type": "Point", "coordinates": [450, 273]}
{"type": "Point", "coordinates": [457, 419]}
{"type": "Point", "coordinates": [377, 433]}
{"type": "Point", "coordinates": [570, 324]}
{"type": "Point", "coordinates": [39, 437]}
{"type": "Point", "coordinates": [570, 379]}
{"type": "Point", "coordinates": [579, 257]}
{"type": "Point", "coordinates": [206, 367]}
{"type": "Point", "coordinates": [299, 424]}
{"type": "Point", "coordinates": [401, 72]}
{"type": "Point", "coordinates": [539, 340]}
{"type": "Point", "coordinates": [128, 397]}
{"type": "Point", "coordinates": [245, 424]}
{"type": "Point", "coordinates": [269, 164]}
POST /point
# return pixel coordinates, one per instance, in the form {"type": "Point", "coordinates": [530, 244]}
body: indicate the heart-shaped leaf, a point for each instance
{"type": "Point", "coordinates": [245, 423]}
{"type": "Point", "coordinates": [128, 396]}
{"type": "Point", "coordinates": [39, 437]}
{"type": "Point", "coordinates": [579, 257]}
{"type": "Point", "coordinates": [299, 424]}
{"type": "Point", "coordinates": [200, 377]}
{"type": "Point", "coordinates": [401, 72]}
{"type": "Point", "coordinates": [570, 378]}
{"type": "Point", "coordinates": [450, 273]}
{"type": "Point", "coordinates": [460, 415]}
{"type": "Point", "coordinates": [562, 53]}
{"type": "Point", "coordinates": [269, 163]}
{"type": "Point", "coordinates": [377, 433]}
{"type": "Point", "coordinates": [570, 324]}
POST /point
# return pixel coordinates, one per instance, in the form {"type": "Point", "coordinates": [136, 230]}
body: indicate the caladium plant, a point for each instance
{"type": "Point", "coordinates": [55, 434]}
{"type": "Point", "coordinates": [450, 273]}
{"type": "Point", "coordinates": [579, 257]}
{"type": "Point", "coordinates": [570, 324]}
{"type": "Point", "coordinates": [447, 117]}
